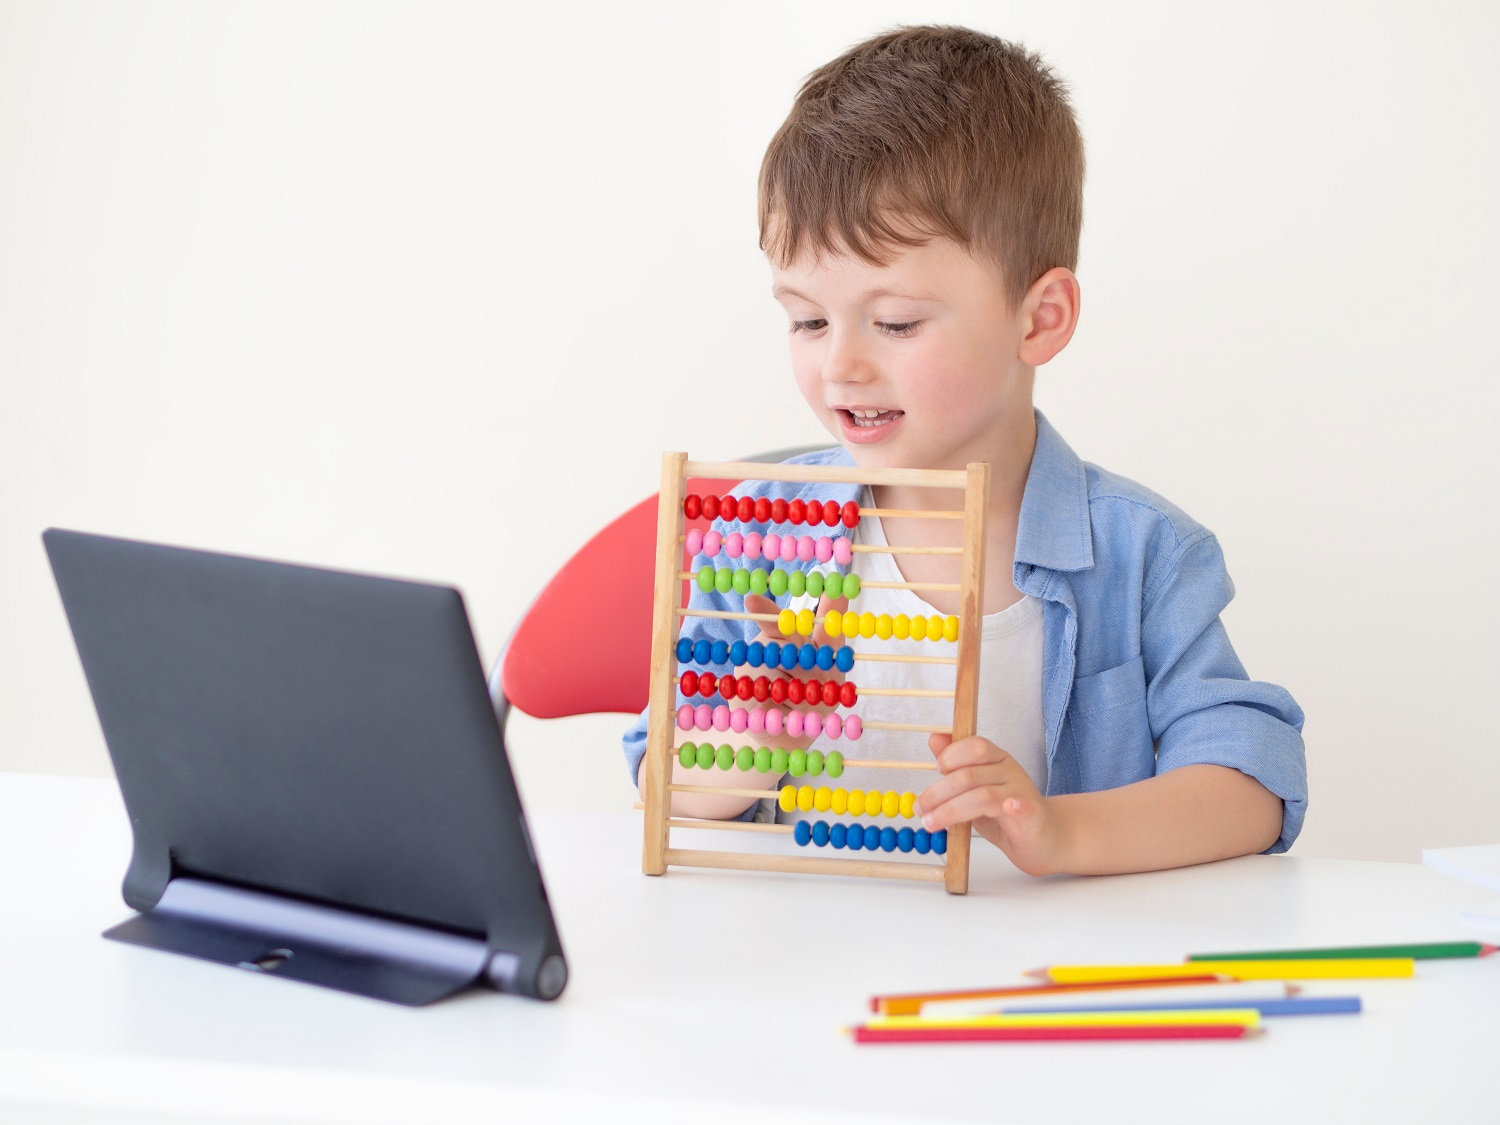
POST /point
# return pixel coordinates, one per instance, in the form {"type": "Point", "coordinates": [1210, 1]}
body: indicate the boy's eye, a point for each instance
{"type": "Point", "coordinates": [891, 329]}
{"type": "Point", "coordinates": [807, 325]}
{"type": "Point", "coordinates": [905, 329]}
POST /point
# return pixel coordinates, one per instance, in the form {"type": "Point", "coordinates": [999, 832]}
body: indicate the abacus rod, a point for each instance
{"type": "Point", "coordinates": [914, 513]}
{"type": "Point", "coordinates": [809, 865]}
{"type": "Point", "coordinates": [824, 474]}
{"type": "Point", "coordinates": [758, 794]}
{"type": "Point", "coordinates": [924, 693]}
{"type": "Point", "coordinates": [872, 764]}
{"type": "Point", "coordinates": [871, 549]}
{"type": "Point", "coordinates": [689, 576]}
{"type": "Point", "coordinates": [908, 726]}
{"type": "Point", "coordinates": [658, 765]}
{"type": "Point", "coordinates": [731, 826]}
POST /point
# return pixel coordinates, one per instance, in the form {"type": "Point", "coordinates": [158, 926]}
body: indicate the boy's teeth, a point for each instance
{"type": "Point", "coordinates": [867, 418]}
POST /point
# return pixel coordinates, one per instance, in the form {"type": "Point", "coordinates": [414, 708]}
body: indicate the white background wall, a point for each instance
{"type": "Point", "coordinates": [380, 286]}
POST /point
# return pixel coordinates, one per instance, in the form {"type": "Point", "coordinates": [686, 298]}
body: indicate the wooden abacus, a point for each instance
{"type": "Point", "coordinates": [673, 542]}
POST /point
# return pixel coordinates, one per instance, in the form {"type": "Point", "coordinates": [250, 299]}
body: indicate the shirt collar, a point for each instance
{"type": "Point", "coordinates": [1054, 527]}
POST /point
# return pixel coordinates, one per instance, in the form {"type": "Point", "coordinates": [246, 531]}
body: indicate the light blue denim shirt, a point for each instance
{"type": "Point", "coordinates": [1138, 675]}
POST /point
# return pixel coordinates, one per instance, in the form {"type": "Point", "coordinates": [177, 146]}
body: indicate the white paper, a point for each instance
{"type": "Point", "coordinates": [1479, 864]}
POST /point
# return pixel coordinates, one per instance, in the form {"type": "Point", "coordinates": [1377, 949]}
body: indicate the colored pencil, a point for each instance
{"type": "Point", "coordinates": [1043, 1034]}
{"type": "Point", "coordinates": [1284, 1006]}
{"type": "Point", "coordinates": [1420, 951]}
{"type": "Point", "coordinates": [1310, 969]}
{"type": "Point", "coordinates": [1231, 994]}
{"type": "Point", "coordinates": [909, 1003]}
{"type": "Point", "coordinates": [1246, 1015]}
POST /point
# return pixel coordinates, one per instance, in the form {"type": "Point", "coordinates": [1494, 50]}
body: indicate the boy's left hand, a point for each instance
{"type": "Point", "coordinates": [982, 783]}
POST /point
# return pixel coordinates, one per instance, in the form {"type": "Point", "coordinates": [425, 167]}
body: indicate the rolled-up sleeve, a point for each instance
{"type": "Point", "coordinates": [1203, 707]}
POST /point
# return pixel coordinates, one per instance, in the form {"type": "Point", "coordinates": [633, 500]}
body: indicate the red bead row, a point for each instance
{"type": "Point", "coordinates": [746, 510]}
{"type": "Point", "coordinates": [783, 689]}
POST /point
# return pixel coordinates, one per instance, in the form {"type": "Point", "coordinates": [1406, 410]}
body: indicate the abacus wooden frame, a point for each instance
{"type": "Point", "coordinates": [657, 852]}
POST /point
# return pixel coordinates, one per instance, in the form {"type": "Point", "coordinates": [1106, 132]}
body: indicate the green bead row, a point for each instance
{"type": "Point", "coordinates": [705, 756]}
{"type": "Point", "coordinates": [753, 580]}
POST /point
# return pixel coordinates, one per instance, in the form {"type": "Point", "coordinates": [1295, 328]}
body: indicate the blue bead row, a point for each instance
{"type": "Point", "coordinates": [871, 837]}
{"type": "Point", "coordinates": [772, 654]}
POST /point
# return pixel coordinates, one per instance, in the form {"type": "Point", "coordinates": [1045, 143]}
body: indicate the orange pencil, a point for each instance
{"type": "Point", "coordinates": [910, 1003]}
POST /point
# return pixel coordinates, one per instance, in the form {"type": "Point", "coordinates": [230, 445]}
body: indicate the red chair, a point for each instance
{"type": "Point", "coordinates": [544, 671]}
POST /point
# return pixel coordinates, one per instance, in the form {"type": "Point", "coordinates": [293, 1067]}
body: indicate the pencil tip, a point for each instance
{"type": "Point", "coordinates": [1486, 949]}
{"type": "Point", "coordinates": [1038, 974]}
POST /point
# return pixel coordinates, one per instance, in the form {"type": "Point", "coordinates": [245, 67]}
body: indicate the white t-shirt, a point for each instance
{"type": "Point", "coordinates": [1010, 688]}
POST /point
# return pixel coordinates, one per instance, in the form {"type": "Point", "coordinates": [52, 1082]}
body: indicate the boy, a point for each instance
{"type": "Point", "coordinates": [921, 209]}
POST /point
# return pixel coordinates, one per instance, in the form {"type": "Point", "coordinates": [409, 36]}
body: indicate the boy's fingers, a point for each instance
{"type": "Point", "coordinates": [937, 743]}
{"type": "Point", "coordinates": [995, 776]}
{"type": "Point", "coordinates": [759, 603]}
{"type": "Point", "coordinates": [970, 751]}
{"type": "Point", "coordinates": [1018, 815]}
{"type": "Point", "coordinates": [820, 634]}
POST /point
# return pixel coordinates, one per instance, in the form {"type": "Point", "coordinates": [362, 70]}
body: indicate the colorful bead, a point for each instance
{"type": "Point", "coordinates": [814, 760]}
{"type": "Point", "coordinates": [919, 628]}
{"type": "Point", "coordinates": [822, 798]}
{"type": "Point", "coordinates": [711, 541]}
{"type": "Point", "coordinates": [719, 652]}
{"type": "Point", "coordinates": [762, 510]}
{"type": "Point", "coordinates": [794, 724]}
{"type": "Point", "coordinates": [778, 510]}
{"type": "Point", "coordinates": [844, 659]}
{"type": "Point", "coordinates": [752, 545]}
{"type": "Point", "coordinates": [890, 804]}
{"type": "Point", "coordinates": [724, 580]}
{"type": "Point", "coordinates": [693, 541]}
{"type": "Point", "coordinates": [814, 513]}
{"type": "Point", "coordinates": [848, 693]}
{"type": "Point", "coordinates": [807, 548]}
{"type": "Point", "coordinates": [705, 578]}
{"type": "Point", "coordinates": [950, 630]}
{"type": "Point", "coordinates": [762, 760]}
{"type": "Point", "coordinates": [727, 505]}
{"type": "Point", "coordinates": [883, 626]}
{"type": "Point", "coordinates": [805, 798]}
{"type": "Point", "coordinates": [823, 549]}
{"type": "Point", "coordinates": [685, 717]}
{"type": "Point", "coordinates": [778, 690]}
{"type": "Point", "coordinates": [774, 723]}
{"type": "Point", "coordinates": [779, 760]}
{"type": "Point", "coordinates": [744, 758]}
{"type": "Point", "coordinates": [757, 722]}
{"type": "Point", "coordinates": [788, 798]}
{"type": "Point", "coordinates": [739, 719]}
{"type": "Point", "coordinates": [856, 801]}
{"type": "Point", "coordinates": [833, 764]}
{"type": "Point", "coordinates": [831, 513]}
{"type": "Point", "coordinates": [778, 583]}
{"type": "Point", "coordinates": [734, 544]}
{"type": "Point", "coordinates": [786, 622]}
{"type": "Point", "coordinates": [874, 801]}
{"type": "Point", "coordinates": [843, 551]}
{"type": "Point", "coordinates": [866, 624]}
{"type": "Point", "coordinates": [812, 725]}
{"type": "Point", "coordinates": [855, 840]}
{"type": "Point", "coordinates": [850, 515]}
{"type": "Point", "coordinates": [724, 756]}
{"type": "Point", "coordinates": [707, 682]}
{"type": "Point", "coordinates": [901, 626]}
{"type": "Point", "coordinates": [940, 841]}
{"type": "Point", "coordinates": [805, 622]}
{"type": "Point", "coordinates": [904, 839]}
{"type": "Point", "coordinates": [851, 585]}
{"type": "Point", "coordinates": [702, 650]}
{"type": "Point", "coordinates": [826, 657]}
{"type": "Point", "coordinates": [688, 684]}
{"type": "Point", "coordinates": [908, 805]}
{"type": "Point", "coordinates": [796, 583]}
{"type": "Point", "coordinates": [796, 761]}
{"type": "Point", "coordinates": [684, 649]}
{"type": "Point", "coordinates": [834, 585]}
{"type": "Point", "coordinates": [755, 654]}
{"type": "Point", "coordinates": [745, 509]}
{"type": "Point", "coordinates": [807, 655]}
{"type": "Point", "coordinates": [742, 580]}
{"type": "Point", "coordinates": [815, 583]}
{"type": "Point", "coordinates": [788, 548]}
{"type": "Point", "coordinates": [935, 627]}
{"type": "Point", "coordinates": [796, 511]}
{"type": "Point", "coordinates": [838, 835]}
{"type": "Point", "coordinates": [802, 833]}
{"type": "Point", "coordinates": [687, 754]}
{"type": "Point", "coordinates": [718, 717]}
{"type": "Point", "coordinates": [922, 841]}
{"type": "Point", "coordinates": [770, 546]}
{"type": "Point", "coordinates": [737, 652]}
{"type": "Point", "coordinates": [833, 623]}
{"type": "Point", "coordinates": [833, 727]}
{"type": "Point", "coordinates": [820, 833]}
{"type": "Point", "coordinates": [887, 839]}
{"type": "Point", "coordinates": [705, 755]}
{"type": "Point", "coordinates": [839, 802]}
{"type": "Point", "coordinates": [853, 728]}
{"type": "Point", "coordinates": [710, 507]}
{"type": "Point", "coordinates": [692, 506]}
{"type": "Point", "coordinates": [761, 689]}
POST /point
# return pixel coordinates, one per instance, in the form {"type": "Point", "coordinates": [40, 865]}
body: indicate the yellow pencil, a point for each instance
{"type": "Point", "coordinates": [1306, 969]}
{"type": "Point", "coordinates": [1243, 1017]}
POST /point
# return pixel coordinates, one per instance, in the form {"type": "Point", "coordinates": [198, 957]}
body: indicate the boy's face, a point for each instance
{"type": "Point", "coordinates": [914, 364]}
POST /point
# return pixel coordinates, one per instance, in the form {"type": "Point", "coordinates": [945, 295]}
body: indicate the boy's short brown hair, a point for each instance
{"type": "Point", "coordinates": [924, 131]}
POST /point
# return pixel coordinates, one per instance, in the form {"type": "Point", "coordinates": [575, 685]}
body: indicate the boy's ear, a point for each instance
{"type": "Point", "coordinates": [1049, 314]}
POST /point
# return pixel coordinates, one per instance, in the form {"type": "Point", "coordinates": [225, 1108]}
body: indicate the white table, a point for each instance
{"type": "Point", "coordinates": [719, 996]}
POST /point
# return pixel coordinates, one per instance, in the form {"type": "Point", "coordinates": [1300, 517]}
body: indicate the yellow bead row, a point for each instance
{"type": "Point", "coordinates": [884, 625]}
{"type": "Point", "coordinates": [855, 802]}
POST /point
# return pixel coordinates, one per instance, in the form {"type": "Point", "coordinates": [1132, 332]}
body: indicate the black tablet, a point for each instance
{"type": "Point", "coordinates": [313, 771]}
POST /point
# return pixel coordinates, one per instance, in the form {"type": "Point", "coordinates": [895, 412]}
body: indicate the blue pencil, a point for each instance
{"type": "Point", "coordinates": [1291, 1006]}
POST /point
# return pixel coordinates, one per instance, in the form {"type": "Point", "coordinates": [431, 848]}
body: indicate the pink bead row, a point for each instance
{"type": "Point", "coordinates": [788, 548]}
{"type": "Point", "coordinates": [757, 719]}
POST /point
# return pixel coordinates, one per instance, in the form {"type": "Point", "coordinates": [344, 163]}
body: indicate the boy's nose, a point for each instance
{"type": "Point", "coordinates": [845, 361]}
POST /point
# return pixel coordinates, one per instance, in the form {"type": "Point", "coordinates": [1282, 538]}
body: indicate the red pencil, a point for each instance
{"type": "Point", "coordinates": [910, 1003]}
{"type": "Point", "coordinates": [864, 1034]}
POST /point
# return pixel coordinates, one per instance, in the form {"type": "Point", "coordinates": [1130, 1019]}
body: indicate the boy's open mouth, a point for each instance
{"type": "Point", "coordinates": [869, 419]}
